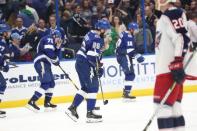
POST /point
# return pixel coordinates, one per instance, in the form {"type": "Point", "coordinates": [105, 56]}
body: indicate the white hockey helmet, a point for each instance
{"type": "Point", "coordinates": [160, 3]}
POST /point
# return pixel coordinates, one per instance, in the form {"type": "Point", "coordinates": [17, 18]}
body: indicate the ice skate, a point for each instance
{"type": "Point", "coordinates": [127, 97]}
{"type": "Point", "coordinates": [93, 118]}
{"type": "Point", "coordinates": [72, 113]}
{"type": "Point", "coordinates": [32, 106]}
{"type": "Point", "coordinates": [2, 114]}
{"type": "Point", "coordinates": [49, 107]}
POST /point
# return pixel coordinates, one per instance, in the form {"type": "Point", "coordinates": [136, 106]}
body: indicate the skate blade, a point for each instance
{"type": "Point", "coordinates": [71, 116]}
{"type": "Point", "coordinates": [49, 109]}
{"type": "Point", "coordinates": [128, 100]}
{"type": "Point", "coordinates": [91, 120]}
{"type": "Point", "coordinates": [32, 109]}
{"type": "Point", "coordinates": [3, 116]}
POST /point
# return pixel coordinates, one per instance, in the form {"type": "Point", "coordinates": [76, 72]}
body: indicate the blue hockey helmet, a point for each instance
{"type": "Point", "coordinates": [4, 27]}
{"type": "Point", "coordinates": [103, 24]}
{"type": "Point", "coordinates": [133, 26]}
{"type": "Point", "coordinates": [56, 34]}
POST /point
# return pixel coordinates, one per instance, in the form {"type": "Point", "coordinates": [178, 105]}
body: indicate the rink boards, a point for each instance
{"type": "Point", "coordinates": [23, 81]}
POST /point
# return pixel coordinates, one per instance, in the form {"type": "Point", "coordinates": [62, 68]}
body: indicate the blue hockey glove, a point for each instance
{"type": "Point", "coordinates": [55, 61]}
{"type": "Point", "coordinates": [100, 72]}
{"type": "Point", "coordinates": [139, 58]}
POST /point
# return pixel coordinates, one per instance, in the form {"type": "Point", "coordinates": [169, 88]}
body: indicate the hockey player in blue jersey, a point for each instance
{"type": "Point", "coordinates": [47, 54]}
{"type": "Point", "coordinates": [87, 59]}
{"type": "Point", "coordinates": [6, 54]}
{"type": "Point", "coordinates": [4, 67]}
{"type": "Point", "coordinates": [125, 52]}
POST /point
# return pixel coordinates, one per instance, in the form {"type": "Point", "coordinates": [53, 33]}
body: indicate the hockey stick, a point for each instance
{"type": "Point", "coordinates": [105, 102]}
{"type": "Point", "coordinates": [166, 95]}
{"type": "Point", "coordinates": [68, 77]}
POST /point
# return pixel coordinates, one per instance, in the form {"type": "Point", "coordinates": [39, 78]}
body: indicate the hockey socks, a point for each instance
{"type": "Point", "coordinates": [36, 96]}
{"type": "Point", "coordinates": [77, 100]}
{"type": "Point", "coordinates": [32, 102]}
{"type": "Point", "coordinates": [91, 104]}
{"type": "Point", "coordinates": [127, 88]}
{"type": "Point", "coordinates": [47, 101]}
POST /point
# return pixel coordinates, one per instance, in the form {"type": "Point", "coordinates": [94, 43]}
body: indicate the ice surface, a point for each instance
{"type": "Point", "coordinates": [117, 116]}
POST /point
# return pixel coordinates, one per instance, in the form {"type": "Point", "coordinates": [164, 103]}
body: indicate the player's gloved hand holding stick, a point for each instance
{"type": "Point", "coordinates": [177, 70]}
{"type": "Point", "coordinates": [178, 73]}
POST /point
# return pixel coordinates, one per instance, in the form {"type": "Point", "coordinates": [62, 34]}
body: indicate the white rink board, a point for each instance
{"type": "Point", "coordinates": [22, 81]}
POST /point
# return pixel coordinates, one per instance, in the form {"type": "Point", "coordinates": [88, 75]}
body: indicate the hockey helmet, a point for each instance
{"type": "Point", "coordinates": [56, 34]}
{"type": "Point", "coordinates": [103, 24]}
{"type": "Point", "coordinates": [133, 26]}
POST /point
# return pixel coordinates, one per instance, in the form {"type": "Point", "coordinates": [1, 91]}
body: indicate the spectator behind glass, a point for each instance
{"type": "Point", "coordinates": [158, 13]}
{"type": "Point", "coordinates": [99, 9]}
{"type": "Point", "coordinates": [193, 6]}
{"type": "Point", "coordinates": [53, 26]}
{"type": "Point", "coordinates": [27, 14]}
{"type": "Point", "coordinates": [41, 6]}
{"type": "Point", "coordinates": [192, 26]}
{"type": "Point", "coordinates": [118, 25]}
{"type": "Point", "coordinates": [65, 20]}
{"type": "Point", "coordinates": [78, 26]}
{"type": "Point", "coordinates": [151, 20]}
{"type": "Point", "coordinates": [29, 6]}
{"type": "Point", "coordinates": [22, 53]}
{"type": "Point", "coordinates": [68, 7]}
{"type": "Point", "coordinates": [19, 28]}
{"type": "Point", "coordinates": [86, 12]}
{"type": "Point", "coordinates": [116, 29]}
{"type": "Point", "coordinates": [42, 30]}
{"type": "Point", "coordinates": [140, 37]}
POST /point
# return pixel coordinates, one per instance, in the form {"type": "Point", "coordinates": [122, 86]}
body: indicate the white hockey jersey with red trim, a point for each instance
{"type": "Point", "coordinates": [170, 41]}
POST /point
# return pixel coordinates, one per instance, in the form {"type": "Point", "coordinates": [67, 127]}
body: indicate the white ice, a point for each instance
{"type": "Point", "coordinates": [117, 116]}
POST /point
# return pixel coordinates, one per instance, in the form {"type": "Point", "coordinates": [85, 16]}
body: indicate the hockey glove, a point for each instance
{"type": "Point", "coordinates": [131, 52]}
{"type": "Point", "coordinates": [139, 58]}
{"type": "Point", "coordinates": [100, 72]}
{"type": "Point", "coordinates": [177, 70]}
{"type": "Point", "coordinates": [56, 63]}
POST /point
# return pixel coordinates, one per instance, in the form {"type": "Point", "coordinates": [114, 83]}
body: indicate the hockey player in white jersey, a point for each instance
{"type": "Point", "coordinates": [171, 45]}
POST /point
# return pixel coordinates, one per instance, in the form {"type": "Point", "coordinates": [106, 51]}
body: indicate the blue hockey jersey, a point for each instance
{"type": "Point", "coordinates": [21, 31]}
{"type": "Point", "coordinates": [125, 44]}
{"type": "Point", "coordinates": [91, 47]}
{"type": "Point", "coordinates": [47, 51]}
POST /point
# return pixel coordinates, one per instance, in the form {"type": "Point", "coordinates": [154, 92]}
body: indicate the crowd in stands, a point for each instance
{"type": "Point", "coordinates": [32, 19]}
